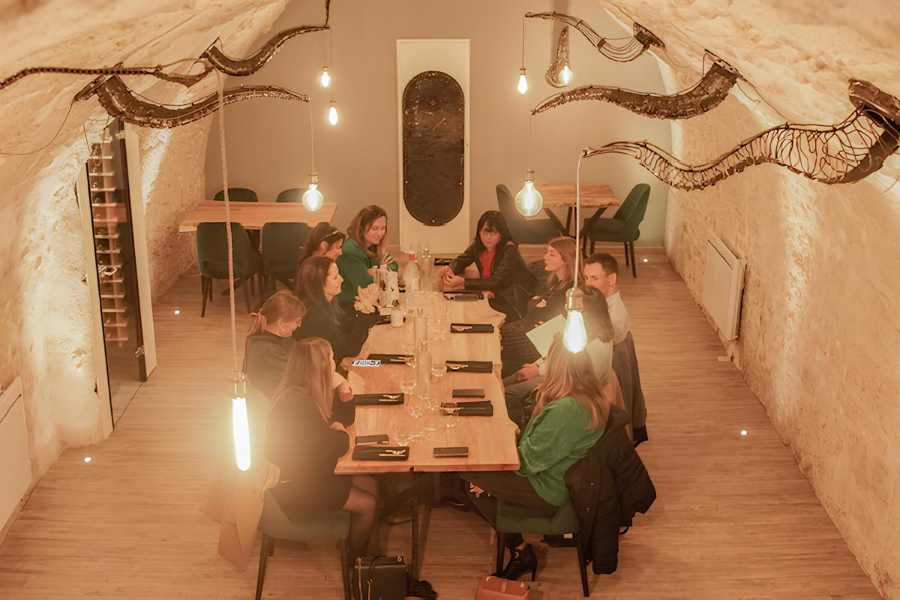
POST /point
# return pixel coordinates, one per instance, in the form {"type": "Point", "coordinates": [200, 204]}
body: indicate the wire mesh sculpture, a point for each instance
{"type": "Point", "coordinates": [630, 50]}
{"type": "Point", "coordinates": [842, 153]}
{"type": "Point", "coordinates": [703, 96]}
{"type": "Point", "coordinates": [121, 103]}
{"type": "Point", "coordinates": [560, 59]}
{"type": "Point", "coordinates": [242, 67]}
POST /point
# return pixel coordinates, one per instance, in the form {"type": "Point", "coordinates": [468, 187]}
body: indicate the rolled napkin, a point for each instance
{"type": "Point", "coordinates": [389, 453]}
{"type": "Point", "coordinates": [477, 408]}
{"type": "Point", "coordinates": [391, 359]}
{"type": "Point", "coordinates": [378, 399]}
{"type": "Point", "coordinates": [469, 366]}
{"type": "Point", "coordinates": [464, 296]}
{"type": "Point", "coordinates": [471, 328]}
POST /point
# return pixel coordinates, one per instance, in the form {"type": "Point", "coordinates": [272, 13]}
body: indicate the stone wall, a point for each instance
{"type": "Point", "coordinates": [45, 333]}
{"type": "Point", "coordinates": [820, 327]}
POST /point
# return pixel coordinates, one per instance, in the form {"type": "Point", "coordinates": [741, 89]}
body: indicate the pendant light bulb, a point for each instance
{"type": "Point", "coordinates": [566, 74]}
{"type": "Point", "coordinates": [332, 114]}
{"type": "Point", "coordinates": [523, 82]}
{"type": "Point", "coordinates": [312, 197]}
{"type": "Point", "coordinates": [575, 334]}
{"type": "Point", "coordinates": [529, 201]}
{"type": "Point", "coordinates": [325, 78]}
{"type": "Point", "coordinates": [240, 427]}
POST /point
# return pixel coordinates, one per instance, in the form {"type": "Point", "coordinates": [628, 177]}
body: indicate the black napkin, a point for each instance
{"type": "Point", "coordinates": [378, 399]}
{"type": "Point", "coordinates": [470, 366]}
{"type": "Point", "coordinates": [464, 296]}
{"type": "Point", "coordinates": [442, 262]}
{"type": "Point", "coordinates": [391, 359]}
{"type": "Point", "coordinates": [477, 408]}
{"type": "Point", "coordinates": [390, 453]}
{"type": "Point", "coordinates": [471, 328]}
{"type": "Point", "coordinates": [383, 320]}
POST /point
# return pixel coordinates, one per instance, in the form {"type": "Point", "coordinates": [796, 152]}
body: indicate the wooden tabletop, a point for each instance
{"type": "Point", "coordinates": [491, 440]}
{"type": "Point", "coordinates": [253, 215]}
{"type": "Point", "coordinates": [563, 194]}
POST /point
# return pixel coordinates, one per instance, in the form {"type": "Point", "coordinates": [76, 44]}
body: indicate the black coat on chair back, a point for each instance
{"type": "Point", "coordinates": [607, 487]}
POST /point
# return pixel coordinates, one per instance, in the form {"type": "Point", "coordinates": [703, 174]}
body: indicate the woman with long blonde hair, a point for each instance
{"type": "Point", "coordinates": [304, 440]}
{"type": "Point", "coordinates": [569, 418]}
{"type": "Point", "coordinates": [269, 340]}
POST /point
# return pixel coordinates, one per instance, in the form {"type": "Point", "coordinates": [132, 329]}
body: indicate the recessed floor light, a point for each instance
{"type": "Point", "coordinates": [177, 312]}
{"type": "Point", "coordinates": [87, 459]}
{"type": "Point", "coordinates": [646, 260]}
{"type": "Point", "coordinates": [743, 432]}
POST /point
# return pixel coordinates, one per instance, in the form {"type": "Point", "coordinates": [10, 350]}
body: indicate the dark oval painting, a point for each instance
{"type": "Point", "coordinates": [434, 127]}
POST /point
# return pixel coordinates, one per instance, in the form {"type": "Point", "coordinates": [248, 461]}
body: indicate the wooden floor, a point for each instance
{"type": "Point", "coordinates": [734, 519]}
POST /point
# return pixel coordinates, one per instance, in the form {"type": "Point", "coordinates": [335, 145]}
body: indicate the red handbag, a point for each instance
{"type": "Point", "coordinates": [497, 588]}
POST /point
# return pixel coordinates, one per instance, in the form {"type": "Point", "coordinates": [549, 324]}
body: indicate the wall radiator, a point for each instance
{"type": "Point", "coordinates": [723, 285]}
{"type": "Point", "coordinates": [15, 461]}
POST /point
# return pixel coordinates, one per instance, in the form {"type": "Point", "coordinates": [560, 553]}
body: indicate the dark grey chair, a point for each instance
{"type": "Point", "coordinates": [623, 227]}
{"type": "Point", "coordinates": [527, 231]}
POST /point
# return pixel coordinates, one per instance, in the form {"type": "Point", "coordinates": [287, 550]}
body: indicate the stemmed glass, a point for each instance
{"type": "Point", "coordinates": [438, 370]}
{"type": "Point", "coordinates": [451, 417]}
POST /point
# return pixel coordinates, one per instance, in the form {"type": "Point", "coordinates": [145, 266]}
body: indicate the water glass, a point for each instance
{"type": "Point", "coordinates": [402, 437]}
{"type": "Point", "coordinates": [451, 417]}
{"type": "Point", "coordinates": [408, 386]}
{"type": "Point", "coordinates": [438, 370]}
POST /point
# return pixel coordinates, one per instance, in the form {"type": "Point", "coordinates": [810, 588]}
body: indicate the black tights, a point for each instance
{"type": "Point", "coordinates": [362, 504]}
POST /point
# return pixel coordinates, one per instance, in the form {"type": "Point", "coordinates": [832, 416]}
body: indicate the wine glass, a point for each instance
{"type": "Point", "coordinates": [438, 370]}
{"type": "Point", "coordinates": [451, 417]}
{"type": "Point", "coordinates": [403, 436]}
{"type": "Point", "coordinates": [408, 386]}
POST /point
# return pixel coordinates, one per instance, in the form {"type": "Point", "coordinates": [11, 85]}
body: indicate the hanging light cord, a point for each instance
{"type": "Point", "coordinates": [312, 143]}
{"type": "Point", "coordinates": [530, 119]}
{"type": "Point", "coordinates": [523, 42]}
{"type": "Point", "coordinates": [331, 55]}
{"type": "Point", "coordinates": [238, 376]}
{"type": "Point", "coordinates": [578, 215]}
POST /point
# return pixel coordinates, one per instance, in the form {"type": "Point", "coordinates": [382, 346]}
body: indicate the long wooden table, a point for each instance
{"type": "Point", "coordinates": [253, 215]}
{"type": "Point", "coordinates": [563, 195]}
{"type": "Point", "coordinates": [491, 440]}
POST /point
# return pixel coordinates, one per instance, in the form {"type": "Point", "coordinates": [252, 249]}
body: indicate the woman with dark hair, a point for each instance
{"type": "Point", "coordinates": [318, 286]}
{"type": "Point", "coordinates": [324, 240]}
{"type": "Point", "coordinates": [502, 270]}
{"type": "Point", "coordinates": [363, 252]}
{"type": "Point", "coordinates": [304, 440]}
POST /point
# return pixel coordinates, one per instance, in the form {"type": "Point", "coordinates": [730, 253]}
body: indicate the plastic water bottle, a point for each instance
{"type": "Point", "coordinates": [411, 274]}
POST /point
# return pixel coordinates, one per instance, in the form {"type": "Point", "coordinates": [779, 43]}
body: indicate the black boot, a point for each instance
{"type": "Point", "coordinates": [520, 562]}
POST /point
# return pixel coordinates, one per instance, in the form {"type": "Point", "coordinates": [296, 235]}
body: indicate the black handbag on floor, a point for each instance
{"type": "Point", "coordinates": [379, 578]}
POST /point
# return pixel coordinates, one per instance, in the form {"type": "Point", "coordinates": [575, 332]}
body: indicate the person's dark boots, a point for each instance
{"type": "Point", "coordinates": [520, 562]}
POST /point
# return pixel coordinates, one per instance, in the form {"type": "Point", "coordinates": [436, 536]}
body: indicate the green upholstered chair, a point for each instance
{"type": "Point", "coordinates": [237, 195]}
{"type": "Point", "coordinates": [624, 226]}
{"type": "Point", "coordinates": [516, 519]}
{"type": "Point", "coordinates": [523, 230]}
{"type": "Point", "coordinates": [281, 248]}
{"type": "Point", "coordinates": [291, 195]}
{"type": "Point", "coordinates": [276, 524]}
{"type": "Point", "coordinates": [212, 258]}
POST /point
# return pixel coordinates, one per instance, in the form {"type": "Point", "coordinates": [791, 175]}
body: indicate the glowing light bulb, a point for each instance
{"type": "Point", "coordinates": [529, 201]}
{"type": "Point", "coordinates": [240, 427]}
{"type": "Point", "coordinates": [312, 198]}
{"type": "Point", "coordinates": [575, 334]}
{"type": "Point", "coordinates": [566, 74]}
{"type": "Point", "coordinates": [325, 78]}
{"type": "Point", "coordinates": [332, 114]}
{"type": "Point", "coordinates": [523, 81]}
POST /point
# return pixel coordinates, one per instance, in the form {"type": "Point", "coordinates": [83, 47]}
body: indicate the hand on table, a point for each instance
{"type": "Point", "coordinates": [541, 304]}
{"type": "Point", "coordinates": [337, 426]}
{"type": "Point", "coordinates": [488, 295]}
{"type": "Point", "coordinates": [453, 282]}
{"type": "Point", "coordinates": [340, 384]}
{"type": "Point", "coordinates": [528, 371]}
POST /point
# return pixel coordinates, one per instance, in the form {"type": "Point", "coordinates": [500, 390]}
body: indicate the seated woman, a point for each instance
{"type": "Point", "coordinates": [324, 240]}
{"type": "Point", "coordinates": [318, 286]}
{"type": "Point", "coordinates": [503, 272]}
{"type": "Point", "coordinates": [569, 418]}
{"type": "Point", "coordinates": [269, 340]}
{"type": "Point", "coordinates": [550, 301]}
{"type": "Point", "coordinates": [305, 441]}
{"type": "Point", "coordinates": [363, 251]}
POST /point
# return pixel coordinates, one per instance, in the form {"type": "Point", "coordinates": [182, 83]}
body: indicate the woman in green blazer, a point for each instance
{"type": "Point", "coordinates": [363, 252]}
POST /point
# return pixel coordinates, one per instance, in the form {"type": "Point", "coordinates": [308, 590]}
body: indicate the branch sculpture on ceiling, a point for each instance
{"type": "Point", "coordinates": [212, 58]}
{"type": "Point", "coordinates": [703, 96]}
{"type": "Point", "coordinates": [630, 50]}
{"type": "Point", "coordinates": [560, 59]}
{"type": "Point", "coordinates": [121, 103]}
{"type": "Point", "coordinates": [843, 153]}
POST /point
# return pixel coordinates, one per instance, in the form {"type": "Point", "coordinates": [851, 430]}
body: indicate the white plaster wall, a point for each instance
{"type": "Point", "coordinates": [46, 329]}
{"type": "Point", "coordinates": [820, 332]}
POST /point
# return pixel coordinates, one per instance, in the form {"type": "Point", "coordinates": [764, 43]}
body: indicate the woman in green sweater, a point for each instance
{"type": "Point", "coordinates": [363, 252]}
{"type": "Point", "coordinates": [569, 418]}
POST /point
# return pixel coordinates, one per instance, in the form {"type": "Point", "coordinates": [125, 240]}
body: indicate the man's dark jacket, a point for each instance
{"type": "Point", "coordinates": [607, 487]}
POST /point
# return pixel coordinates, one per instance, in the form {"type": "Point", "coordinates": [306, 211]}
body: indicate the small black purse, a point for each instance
{"type": "Point", "coordinates": [379, 578]}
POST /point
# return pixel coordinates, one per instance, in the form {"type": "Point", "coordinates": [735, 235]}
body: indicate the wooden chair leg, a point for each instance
{"type": "Point", "coordinates": [263, 557]}
{"type": "Point", "coordinates": [626, 254]}
{"type": "Point", "coordinates": [271, 548]}
{"type": "Point", "coordinates": [501, 550]}
{"type": "Point", "coordinates": [582, 568]}
{"type": "Point", "coordinates": [205, 284]}
{"type": "Point", "coordinates": [247, 295]}
{"type": "Point", "coordinates": [344, 547]}
{"type": "Point", "coordinates": [633, 266]}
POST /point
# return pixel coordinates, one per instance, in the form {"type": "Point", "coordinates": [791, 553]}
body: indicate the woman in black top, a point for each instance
{"type": "Point", "coordinates": [502, 270]}
{"type": "Point", "coordinates": [269, 340]}
{"type": "Point", "coordinates": [305, 442]}
{"type": "Point", "coordinates": [559, 264]}
{"type": "Point", "coordinates": [318, 284]}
